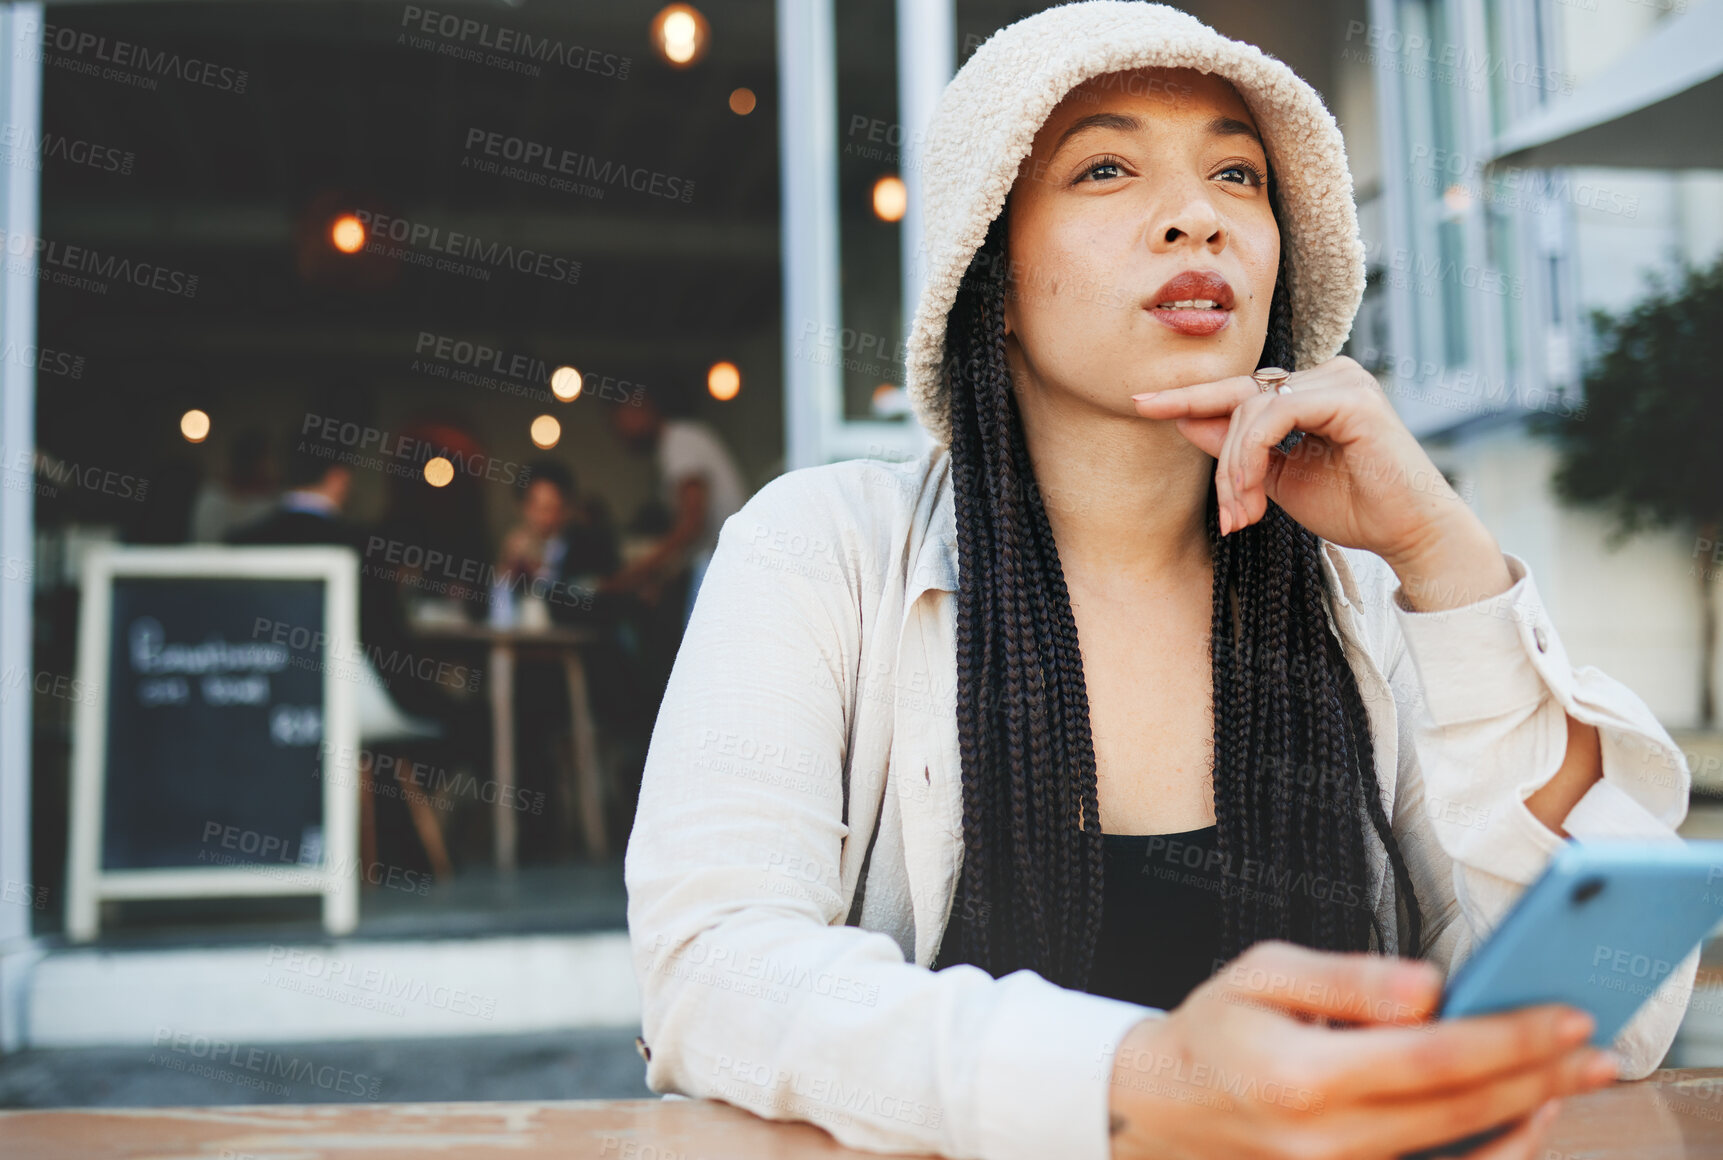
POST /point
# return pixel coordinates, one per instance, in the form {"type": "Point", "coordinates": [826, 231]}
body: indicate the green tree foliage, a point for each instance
{"type": "Point", "coordinates": [1646, 448]}
{"type": "Point", "coordinates": [1648, 445]}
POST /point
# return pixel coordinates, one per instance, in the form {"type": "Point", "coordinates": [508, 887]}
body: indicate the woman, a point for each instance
{"type": "Point", "coordinates": [902, 864]}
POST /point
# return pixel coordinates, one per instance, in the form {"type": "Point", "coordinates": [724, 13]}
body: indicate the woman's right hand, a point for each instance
{"type": "Point", "coordinates": [1249, 1066]}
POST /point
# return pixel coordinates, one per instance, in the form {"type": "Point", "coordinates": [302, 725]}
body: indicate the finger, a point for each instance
{"type": "Point", "coordinates": [1426, 1123]}
{"type": "Point", "coordinates": [1316, 411]}
{"type": "Point", "coordinates": [1458, 1054]}
{"type": "Point", "coordinates": [1355, 986]}
{"type": "Point", "coordinates": [1207, 434]}
{"type": "Point", "coordinates": [1516, 1140]}
{"type": "Point", "coordinates": [1197, 401]}
{"type": "Point", "coordinates": [1226, 468]}
{"type": "Point", "coordinates": [1524, 1141]}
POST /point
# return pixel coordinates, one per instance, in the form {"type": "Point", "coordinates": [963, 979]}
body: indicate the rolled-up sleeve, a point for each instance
{"type": "Point", "coordinates": [1488, 724]}
{"type": "Point", "coordinates": [753, 989]}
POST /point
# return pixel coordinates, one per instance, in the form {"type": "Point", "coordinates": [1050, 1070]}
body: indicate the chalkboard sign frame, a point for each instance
{"type": "Point", "coordinates": [336, 878]}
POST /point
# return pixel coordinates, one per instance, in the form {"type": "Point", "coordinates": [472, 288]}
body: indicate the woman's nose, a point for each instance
{"type": "Point", "coordinates": [1187, 215]}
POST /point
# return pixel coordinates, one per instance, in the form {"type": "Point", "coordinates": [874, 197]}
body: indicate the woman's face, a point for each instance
{"type": "Point", "coordinates": [1137, 178]}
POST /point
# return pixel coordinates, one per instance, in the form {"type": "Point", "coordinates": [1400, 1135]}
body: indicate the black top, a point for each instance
{"type": "Point", "coordinates": [1160, 917]}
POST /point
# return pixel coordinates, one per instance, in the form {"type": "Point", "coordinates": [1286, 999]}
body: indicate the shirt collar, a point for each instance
{"type": "Point", "coordinates": [936, 562]}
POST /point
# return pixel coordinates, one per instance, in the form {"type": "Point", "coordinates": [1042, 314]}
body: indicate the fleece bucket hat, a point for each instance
{"type": "Point", "coordinates": [987, 118]}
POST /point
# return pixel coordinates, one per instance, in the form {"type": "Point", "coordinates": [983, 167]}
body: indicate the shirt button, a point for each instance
{"type": "Point", "coordinates": [1540, 638]}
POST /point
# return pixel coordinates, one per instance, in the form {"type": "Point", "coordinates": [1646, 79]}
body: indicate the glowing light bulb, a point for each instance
{"type": "Point", "coordinates": [347, 234]}
{"type": "Point", "coordinates": [680, 34]}
{"type": "Point", "coordinates": [565, 384]}
{"type": "Point", "coordinates": [546, 432]}
{"type": "Point", "coordinates": [439, 472]}
{"type": "Point", "coordinates": [890, 199]}
{"type": "Point", "coordinates": [194, 425]}
{"type": "Point", "coordinates": [723, 381]}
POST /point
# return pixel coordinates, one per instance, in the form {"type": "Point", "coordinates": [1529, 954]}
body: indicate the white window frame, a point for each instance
{"type": "Point", "coordinates": [816, 429]}
{"type": "Point", "coordinates": [1531, 235]}
{"type": "Point", "coordinates": [20, 195]}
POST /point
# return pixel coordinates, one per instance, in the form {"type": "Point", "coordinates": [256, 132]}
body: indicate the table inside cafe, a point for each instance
{"type": "Point", "coordinates": [1674, 1114]}
{"type": "Point", "coordinates": [567, 645]}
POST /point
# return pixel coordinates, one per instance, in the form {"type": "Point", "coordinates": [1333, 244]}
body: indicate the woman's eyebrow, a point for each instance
{"type": "Point", "coordinates": [1220, 126]}
{"type": "Point", "coordinates": [1225, 126]}
{"type": "Point", "coordinates": [1122, 121]}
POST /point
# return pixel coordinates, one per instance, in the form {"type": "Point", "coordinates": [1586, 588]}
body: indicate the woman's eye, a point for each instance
{"type": "Point", "coordinates": [1251, 172]}
{"type": "Point", "coordinates": [1105, 167]}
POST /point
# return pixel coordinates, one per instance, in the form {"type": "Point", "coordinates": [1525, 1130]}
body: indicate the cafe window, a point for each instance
{"type": "Point", "coordinates": [408, 282]}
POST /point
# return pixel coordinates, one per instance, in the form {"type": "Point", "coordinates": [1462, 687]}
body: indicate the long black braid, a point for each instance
{"type": "Point", "coordinates": [1292, 755]}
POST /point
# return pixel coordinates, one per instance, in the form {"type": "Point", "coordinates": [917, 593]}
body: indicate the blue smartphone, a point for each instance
{"type": "Point", "coordinates": [1600, 929]}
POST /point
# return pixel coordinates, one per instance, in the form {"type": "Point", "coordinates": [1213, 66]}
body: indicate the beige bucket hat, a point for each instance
{"type": "Point", "coordinates": [989, 114]}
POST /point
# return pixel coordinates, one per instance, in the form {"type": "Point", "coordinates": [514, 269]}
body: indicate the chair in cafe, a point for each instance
{"type": "Point", "coordinates": [382, 724]}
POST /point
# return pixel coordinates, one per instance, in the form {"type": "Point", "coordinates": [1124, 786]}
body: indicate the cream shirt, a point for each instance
{"type": "Point", "coordinates": [794, 856]}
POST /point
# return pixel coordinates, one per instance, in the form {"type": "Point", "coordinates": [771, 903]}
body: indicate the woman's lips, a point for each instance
{"type": "Point", "coordinates": [1198, 322]}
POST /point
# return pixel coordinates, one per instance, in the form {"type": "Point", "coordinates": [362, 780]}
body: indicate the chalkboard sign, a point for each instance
{"type": "Point", "coordinates": [198, 765]}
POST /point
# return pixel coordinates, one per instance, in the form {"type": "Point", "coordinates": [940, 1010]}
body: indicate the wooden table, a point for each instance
{"type": "Point", "coordinates": [505, 644]}
{"type": "Point", "coordinates": [1672, 1115]}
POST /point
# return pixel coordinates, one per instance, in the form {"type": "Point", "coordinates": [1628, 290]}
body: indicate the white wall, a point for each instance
{"type": "Point", "coordinates": [1633, 612]}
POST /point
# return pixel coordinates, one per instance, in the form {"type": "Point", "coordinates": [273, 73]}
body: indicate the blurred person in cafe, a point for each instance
{"type": "Point", "coordinates": [549, 571]}
{"type": "Point", "coordinates": [564, 545]}
{"type": "Point", "coordinates": [311, 512]}
{"type": "Point", "coordinates": [433, 540]}
{"type": "Point", "coordinates": [246, 494]}
{"type": "Point", "coordinates": [699, 483]}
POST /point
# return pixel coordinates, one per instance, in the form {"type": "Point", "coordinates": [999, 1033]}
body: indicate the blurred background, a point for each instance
{"type": "Point", "coordinates": [512, 304]}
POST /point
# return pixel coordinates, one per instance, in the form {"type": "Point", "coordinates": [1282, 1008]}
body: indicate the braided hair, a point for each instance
{"type": "Point", "coordinates": [1292, 752]}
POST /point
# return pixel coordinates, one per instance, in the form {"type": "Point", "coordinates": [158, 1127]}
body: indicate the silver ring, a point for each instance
{"type": "Point", "coordinates": [1274, 379]}
{"type": "Point", "coordinates": [1268, 378]}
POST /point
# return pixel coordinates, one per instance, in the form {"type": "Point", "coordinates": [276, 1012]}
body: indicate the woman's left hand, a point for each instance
{"type": "Point", "coordinates": [1358, 477]}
